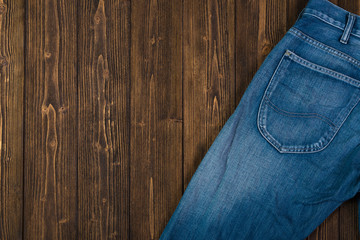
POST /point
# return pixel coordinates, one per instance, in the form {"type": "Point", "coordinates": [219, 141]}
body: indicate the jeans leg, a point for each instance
{"type": "Point", "coordinates": [245, 189]}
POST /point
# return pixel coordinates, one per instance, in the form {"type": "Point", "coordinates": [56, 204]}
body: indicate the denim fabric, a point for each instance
{"type": "Point", "coordinates": [289, 155]}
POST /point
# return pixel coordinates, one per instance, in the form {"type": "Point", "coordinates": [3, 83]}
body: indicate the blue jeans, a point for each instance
{"type": "Point", "coordinates": [289, 155]}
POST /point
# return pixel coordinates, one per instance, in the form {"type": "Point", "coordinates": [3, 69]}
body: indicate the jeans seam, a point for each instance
{"type": "Point", "coordinates": [281, 148]}
{"type": "Point", "coordinates": [297, 33]}
{"type": "Point", "coordinates": [321, 69]}
{"type": "Point", "coordinates": [293, 114]}
{"type": "Point", "coordinates": [329, 20]}
{"type": "Point", "coordinates": [327, 136]}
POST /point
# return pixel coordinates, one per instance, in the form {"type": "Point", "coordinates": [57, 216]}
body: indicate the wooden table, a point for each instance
{"type": "Point", "coordinates": [108, 106]}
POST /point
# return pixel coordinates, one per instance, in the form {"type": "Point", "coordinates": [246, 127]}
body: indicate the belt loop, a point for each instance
{"type": "Point", "coordinates": [348, 28]}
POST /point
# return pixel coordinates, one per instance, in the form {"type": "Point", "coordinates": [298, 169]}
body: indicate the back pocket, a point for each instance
{"type": "Point", "coordinates": [305, 104]}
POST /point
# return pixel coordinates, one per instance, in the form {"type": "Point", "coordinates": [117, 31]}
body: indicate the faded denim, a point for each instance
{"type": "Point", "coordinates": [289, 155]}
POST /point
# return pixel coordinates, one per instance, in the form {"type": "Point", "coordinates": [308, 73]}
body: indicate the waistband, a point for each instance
{"type": "Point", "coordinates": [333, 15]}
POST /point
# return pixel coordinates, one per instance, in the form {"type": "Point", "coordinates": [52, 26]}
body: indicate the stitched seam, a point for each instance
{"type": "Point", "coordinates": [262, 115]}
{"type": "Point", "coordinates": [294, 148]}
{"type": "Point", "coordinates": [329, 20]}
{"type": "Point", "coordinates": [322, 19]}
{"type": "Point", "coordinates": [326, 138]}
{"type": "Point", "coordinates": [297, 33]}
{"type": "Point", "coordinates": [324, 70]}
{"type": "Point", "coordinates": [330, 135]}
{"type": "Point", "coordinates": [298, 148]}
{"type": "Point", "coordinates": [324, 16]}
{"type": "Point", "coordinates": [287, 148]}
{"type": "Point", "coordinates": [348, 28]}
{"type": "Point", "coordinates": [309, 115]}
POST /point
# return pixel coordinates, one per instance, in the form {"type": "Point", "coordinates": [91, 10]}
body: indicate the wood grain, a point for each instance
{"type": "Point", "coordinates": [50, 129]}
{"type": "Point", "coordinates": [107, 107]}
{"type": "Point", "coordinates": [209, 76]}
{"type": "Point", "coordinates": [246, 37]}
{"type": "Point", "coordinates": [156, 115]}
{"type": "Point", "coordinates": [12, 21]}
{"type": "Point", "coordinates": [103, 119]}
{"type": "Point", "coordinates": [348, 220]}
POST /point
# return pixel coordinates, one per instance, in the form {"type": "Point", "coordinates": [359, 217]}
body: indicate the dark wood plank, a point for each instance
{"type": "Point", "coordinates": [334, 1]}
{"type": "Point", "coordinates": [352, 6]}
{"type": "Point", "coordinates": [293, 10]}
{"type": "Point", "coordinates": [122, 101]}
{"type": "Point", "coordinates": [156, 115]}
{"type": "Point", "coordinates": [272, 26]}
{"type": "Point", "coordinates": [209, 76]}
{"type": "Point", "coordinates": [348, 220]}
{"type": "Point", "coordinates": [50, 129]}
{"type": "Point", "coordinates": [118, 35]}
{"type": "Point", "coordinates": [247, 30]}
{"type": "Point", "coordinates": [104, 88]}
{"type": "Point", "coordinates": [12, 20]}
{"type": "Point", "coordinates": [328, 230]}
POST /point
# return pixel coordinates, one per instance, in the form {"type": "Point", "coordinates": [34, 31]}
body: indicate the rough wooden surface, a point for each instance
{"type": "Point", "coordinates": [103, 119]}
{"type": "Point", "coordinates": [107, 107]}
{"type": "Point", "coordinates": [12, 50]}
{"type": "Point", "coordinates": [156, 115]}
{"type": "Point", "coordinates": [50, 136]}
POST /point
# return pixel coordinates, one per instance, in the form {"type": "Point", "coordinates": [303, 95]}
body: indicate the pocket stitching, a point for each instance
{"type": "Point", "coordinates": [295, 149]}
{"type": "Point", "coordinates": [301, 149]}
{"type": "Point", "coordinates": [309, 115]}
{"type": "Point", "coordinates": [321, 69]}
{"type": "Point", "coordinates": [322, 46]}
{"type": "Point", "coordinates": [260, 124]}
{"type": "Point", "coordinates": [332, 133]}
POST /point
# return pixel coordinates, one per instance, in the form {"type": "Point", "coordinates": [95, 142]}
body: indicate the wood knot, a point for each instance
{"type": "Point", "coordinates": [152, 40]}
{"type": "Point", "coordinates": [62, 110]}
{"type": "Point", "coordinates": [3, 61]}
{"type": "Point", "coordinates": [97, 146]}
{"type": "Point", "coordinates": [141, 124]}
{"type": "Point", "coordinates": [104, 200]}
{"type": "Point", "coordinates": [106, 73]}
{"type": "Point", "coordinates": [3, 8]}
{"type": "Point", "coordinates": [174, 119]}
{"type": "Point", "coordinates": [97, 19]}
{"type": "Point", "coordinates": [108, 148]}
{"type": "Point", "coordinates": [266, 48]}
{"type": "Point", "coordinates": [64, 220]}
{"type": "Point", "coordinates": [53, 143]}
{"type": "Point", "coordinates": [45, 109]}
{"type": "Point", "coordinates": [113, 235]}
{"type": "Point", "coordinates": [47, 54]}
